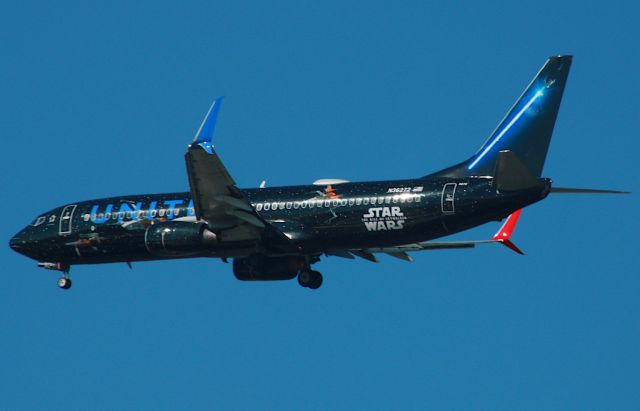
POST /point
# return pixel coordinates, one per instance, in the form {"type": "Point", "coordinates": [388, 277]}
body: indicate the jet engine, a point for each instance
{"type": "Point", "coordinates": [262, 268]}
{"type": "Point", "coordinates": [178, 238]}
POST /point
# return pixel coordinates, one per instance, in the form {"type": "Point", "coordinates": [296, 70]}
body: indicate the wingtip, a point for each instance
{"type": "Point", "coordinates": [504, 234]}
{"type": "Point", "coordinates": [508, 227]}
{"type": "Point", "coordinates": [204, 135]}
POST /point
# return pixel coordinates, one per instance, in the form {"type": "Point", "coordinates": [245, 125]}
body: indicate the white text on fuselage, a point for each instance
{"type": "Point", "coordinates": [384, 218]}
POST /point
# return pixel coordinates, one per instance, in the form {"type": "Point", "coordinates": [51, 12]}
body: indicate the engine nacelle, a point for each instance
{"type": "Point", "coordinates": [178, 238]}
{"type": "Point", "coordinates": [262, 268]}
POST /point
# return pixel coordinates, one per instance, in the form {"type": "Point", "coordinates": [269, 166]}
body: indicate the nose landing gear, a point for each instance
{"type": "Point", "coordinates": [310, 279]}
{"type": "Point", "coordinates": [64, 282]}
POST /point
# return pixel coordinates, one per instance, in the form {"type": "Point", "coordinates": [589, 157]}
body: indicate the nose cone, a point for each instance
{"type": "Point", "coordinates": [19, 242]}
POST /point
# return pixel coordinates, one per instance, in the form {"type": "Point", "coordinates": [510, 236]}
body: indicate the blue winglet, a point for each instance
{"type": "Point", "coordinates": [204, 136]}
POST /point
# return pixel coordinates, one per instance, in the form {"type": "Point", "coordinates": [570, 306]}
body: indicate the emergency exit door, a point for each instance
{"type": "Point", "coordinates": [448, 198]}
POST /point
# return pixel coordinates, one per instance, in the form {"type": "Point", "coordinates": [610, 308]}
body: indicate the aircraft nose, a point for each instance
{"type": "Point", "coordinates": [18, 242]}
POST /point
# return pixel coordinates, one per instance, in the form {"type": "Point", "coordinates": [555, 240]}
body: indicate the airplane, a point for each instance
{"type": "Point", "coordinates": [278, 233]}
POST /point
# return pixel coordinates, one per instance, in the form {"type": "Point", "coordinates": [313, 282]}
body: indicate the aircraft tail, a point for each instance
{"type": "Point", "coordinates": [526, 129]}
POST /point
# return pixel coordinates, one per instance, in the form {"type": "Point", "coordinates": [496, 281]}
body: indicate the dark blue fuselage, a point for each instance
{"type": "Point", "coordinates": [314, 220]}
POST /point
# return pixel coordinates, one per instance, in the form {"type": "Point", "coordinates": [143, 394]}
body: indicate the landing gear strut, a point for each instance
{"type": "Point", "coordinates": [310, 279]}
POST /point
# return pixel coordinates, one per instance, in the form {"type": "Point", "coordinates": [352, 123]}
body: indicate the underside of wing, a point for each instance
{"type": "Point", "coordinates": [400, 251]}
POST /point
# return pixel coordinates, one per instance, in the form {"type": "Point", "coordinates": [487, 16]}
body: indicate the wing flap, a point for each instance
{"type": "Point", "coordinates": [400, 251]}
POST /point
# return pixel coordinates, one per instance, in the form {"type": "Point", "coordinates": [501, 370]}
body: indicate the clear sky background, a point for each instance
{"type": "Point", "coordinates": [100, 100]}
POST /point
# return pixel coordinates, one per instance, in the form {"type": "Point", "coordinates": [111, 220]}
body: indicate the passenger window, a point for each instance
{"type": "Point", "coordinates": [312, 204]}
{"type": "Point", "coordinates": [410, 199]}
{"type": "Point", "coordinates": [281, 206]}
{"type": "Point", "coordinates": [153, 213]}
{"type": "Point", "coordinates": [387, 200]}
{"type": "Point", "coordinates": [296, 205]}
{"type": "Point", "coordinates": [107, 216]}
{"type": "Point", "coordinates": [373, 200]}
{"type": "Point", "coordinates": [358, 201]}
{"type": "Point", "coordinates": [176, 212]}
{"type": "Point", "coordinates": [267, 206]}
{"type": "Point", "coordinates": [418, 198]}
{"type": "Point", "coordinates": [289, 205]}
{"type": "Point", "coordinates": [114, 216]}
{"type": "Point", "coordinates": [303, 204]}
{"type": "Point", "coordinates": [327, 203]}
{"type": "Point", "coordinates": [85, 218]}
{"type": "Point", "coordinates": [334, 203]}
{"type": "Point", "coordinates": [343, 202]}
{"type": "Point", "coordinates": [395, 199]}
{"type": "Point", "coordinates": [100, 216]}
{"type": "Point", "coordinates": [274, 206]}
{"type": "Point", "coordinates": [365, 201]}
{"type": "Point", "coordinates": [128, 214]}
{"type": "Point", "coordinates": [352, 201]}
{"type": "Point", "coordinates": [160, 213]}
{"type": "Point", "coordinates": [380, 200]}
{"type": "Point", "coordinates": [259, 207]}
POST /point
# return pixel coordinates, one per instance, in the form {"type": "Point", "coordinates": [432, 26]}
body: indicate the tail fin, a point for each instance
{"type": "Point", "coordinates": [526, 129]}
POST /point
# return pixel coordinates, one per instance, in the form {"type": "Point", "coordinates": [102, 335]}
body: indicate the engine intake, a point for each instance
{"type": "Point", "coordinates": [262, 268]}
{"type": "Point", "coordinates": [178, 238]}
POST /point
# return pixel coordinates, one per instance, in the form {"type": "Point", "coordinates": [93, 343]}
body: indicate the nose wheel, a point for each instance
{"type": "Point", "coordinates": [64, 282]}
{"type": "Point", "coordinates": [310, 279]}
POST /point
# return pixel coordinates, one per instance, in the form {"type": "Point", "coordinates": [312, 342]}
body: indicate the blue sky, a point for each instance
{"type": "Point", "coordinates": [100, 100]}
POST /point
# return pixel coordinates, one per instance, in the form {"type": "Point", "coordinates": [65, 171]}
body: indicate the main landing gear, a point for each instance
{"type": "Point", "coordinates": [310, 279]}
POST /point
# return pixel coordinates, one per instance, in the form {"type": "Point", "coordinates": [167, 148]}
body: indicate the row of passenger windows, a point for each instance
{"type": "Point", "coordinates": [402, 198]}
{"type": "Point", "coordinates": [141, 214]}
{"type": "Point", "coordinates": [137, 214]}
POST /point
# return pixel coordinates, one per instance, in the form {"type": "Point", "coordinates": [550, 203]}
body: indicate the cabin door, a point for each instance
{"type": "Point", "coordinates": [448, 198]}
{"type": "Point", "coordinates": [66, 217]}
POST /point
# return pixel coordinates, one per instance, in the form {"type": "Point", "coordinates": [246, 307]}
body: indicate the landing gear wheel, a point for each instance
{"type": "Point", "coordinates": [316, 280]}
{"type": "Point", "coordinates": [64, 283]}
{"type": "Point", "coordinates": [304, 278]}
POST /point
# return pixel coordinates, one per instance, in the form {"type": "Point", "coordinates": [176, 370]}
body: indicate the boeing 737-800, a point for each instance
{"type": "Point", "coordinates": [278, 233]}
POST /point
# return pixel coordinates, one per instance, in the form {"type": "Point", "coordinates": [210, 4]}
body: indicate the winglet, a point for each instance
{"type": "Point", "coordinates": [505, 232]}
{"type": "Point", "coordinates": [204, 135]}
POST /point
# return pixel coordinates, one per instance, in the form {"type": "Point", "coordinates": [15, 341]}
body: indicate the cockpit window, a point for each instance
{"type": "Point", "coordinates": [39, 221]}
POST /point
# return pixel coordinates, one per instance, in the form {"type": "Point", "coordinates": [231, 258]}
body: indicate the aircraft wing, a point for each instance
{"type": "Point", "coordinates": [502, 236]}
{"type": "Point", "coordinates": [216, 198]}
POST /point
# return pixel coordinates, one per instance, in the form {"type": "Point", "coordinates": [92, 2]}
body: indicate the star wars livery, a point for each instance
{"type": "Point", "coordinates": [278, 233]}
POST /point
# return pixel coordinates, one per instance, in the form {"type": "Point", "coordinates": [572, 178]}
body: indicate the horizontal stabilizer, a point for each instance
{"type": "Point", "coordinates": [563, 190]}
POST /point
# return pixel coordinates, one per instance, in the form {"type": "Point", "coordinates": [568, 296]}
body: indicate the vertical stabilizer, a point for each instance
{"type": "Point", "coordinates": [526, 129]}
